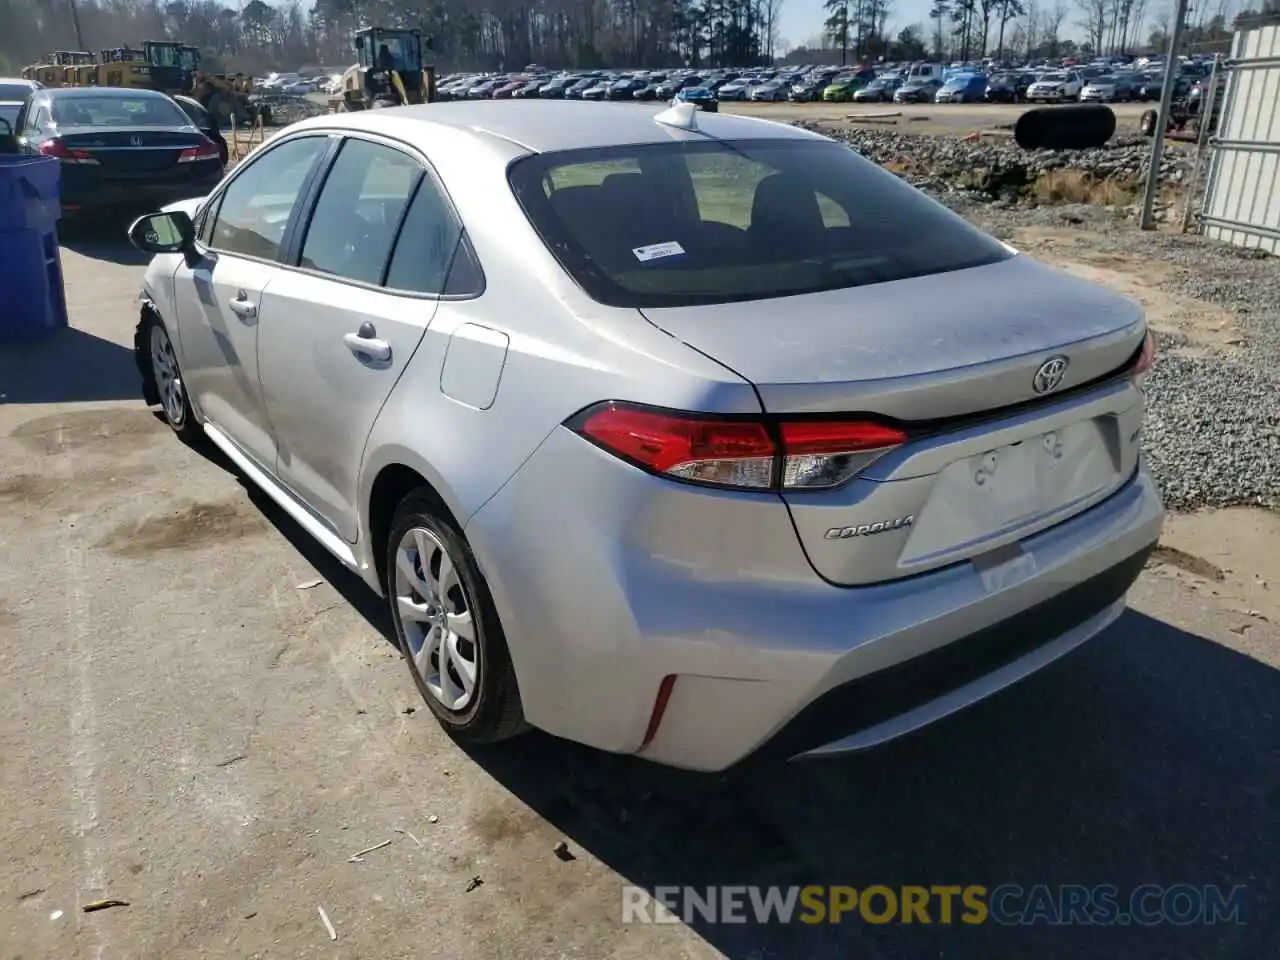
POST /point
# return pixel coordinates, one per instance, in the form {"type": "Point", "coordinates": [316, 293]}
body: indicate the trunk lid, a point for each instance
{"type": "Point", "coordinates": [139, 153]}
{"type": "Point", "coordinates": [953, 359]}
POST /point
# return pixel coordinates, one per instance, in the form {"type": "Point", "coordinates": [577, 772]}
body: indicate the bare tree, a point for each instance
{"type": "Point", "coordinates": [770, 11]}
{"type": "Point", "coordinates": [1093, 18]}
{"type": "Point", "coordinates": [1134, 22]}
{"type": "Point", "coordinates": [1009, 10]}
{"type": "Point", "coordinates": [1051, 26]}
{"type": "Point", "coordinates": [1032, 18]}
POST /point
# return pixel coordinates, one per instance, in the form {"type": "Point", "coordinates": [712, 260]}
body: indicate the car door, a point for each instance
{"type": "Point", "coordinates": [241, 234]}
{"type": "Point", "coordinates": [348, 317]}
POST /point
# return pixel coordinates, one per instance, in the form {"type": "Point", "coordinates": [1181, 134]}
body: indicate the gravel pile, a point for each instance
{"type": "Point", "coordinates": [943, 164]}
{"type": "Point", "coordinates": [1213, 423]}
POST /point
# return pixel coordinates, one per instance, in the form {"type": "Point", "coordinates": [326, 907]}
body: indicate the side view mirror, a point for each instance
{"type": "Point", "coordinates": [164, 233]}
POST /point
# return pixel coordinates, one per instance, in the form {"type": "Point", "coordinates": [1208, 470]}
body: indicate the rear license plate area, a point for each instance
{"type": "Point", "coordinates": [998, 492]}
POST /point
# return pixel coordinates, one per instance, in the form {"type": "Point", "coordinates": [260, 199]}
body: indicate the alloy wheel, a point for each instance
{"type": "Point", "coordinates": [436, 614]}
{"type": "Point", "coordinates": [164, 366]}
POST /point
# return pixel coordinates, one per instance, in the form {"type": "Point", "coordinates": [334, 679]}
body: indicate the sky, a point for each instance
{"type": "Point", "coordinates": [802, 19]}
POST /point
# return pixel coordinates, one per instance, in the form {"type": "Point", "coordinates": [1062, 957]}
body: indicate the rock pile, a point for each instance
{"type": "Point", "coordinates": [1001, 169]}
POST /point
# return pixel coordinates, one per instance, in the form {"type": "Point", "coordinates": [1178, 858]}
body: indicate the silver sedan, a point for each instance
{"type": "Point", "coordinates": [684, 435]}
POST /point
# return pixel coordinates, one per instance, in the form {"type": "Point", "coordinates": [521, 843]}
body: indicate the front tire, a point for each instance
{"type": "Point", "coordinates": [447, 627]}
{"type": "Point", "coordinates": [163, 383]}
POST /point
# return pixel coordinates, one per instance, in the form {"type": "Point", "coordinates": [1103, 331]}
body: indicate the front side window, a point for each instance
{"type": "Point", "coordinates": [257, 204]}
{"type": "Point", "coordinates": [359, 211]}
{"type": "Point", "coordinates": [693, 222]}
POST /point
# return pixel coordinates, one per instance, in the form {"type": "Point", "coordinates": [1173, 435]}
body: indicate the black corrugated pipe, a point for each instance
{"type": "Point", "coordinates": [1077, 127]}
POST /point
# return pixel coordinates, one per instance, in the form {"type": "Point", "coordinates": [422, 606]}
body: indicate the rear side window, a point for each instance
{"type": "Point", "coordinates": [359, 211]}
{"type": "Point", "coordinates": [686, 223]}
{"type": "Point", "coordinates": [427, 243]}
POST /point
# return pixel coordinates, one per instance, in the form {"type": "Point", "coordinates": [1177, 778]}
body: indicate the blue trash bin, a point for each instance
{"type": "Point", "coordinates": [32, 300]}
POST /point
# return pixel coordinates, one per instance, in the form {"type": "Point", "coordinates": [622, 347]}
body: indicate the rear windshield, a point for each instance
{"type": "Point", "coordinates": [11, 92]}
{"type": "Point", "coordinates": [715, 221]}
{"type": "Point", "coordinates": [118, 111]}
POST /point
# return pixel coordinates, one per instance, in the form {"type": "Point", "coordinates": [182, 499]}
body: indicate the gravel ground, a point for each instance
{"type": "Point", "coordinates": [1213, 426]}
{"type": "Point", "coordinates": [943, 164]}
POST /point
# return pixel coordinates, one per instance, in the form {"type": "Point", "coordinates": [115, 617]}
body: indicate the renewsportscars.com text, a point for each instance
{"type": "Point", "coordinates": [1008, 905]}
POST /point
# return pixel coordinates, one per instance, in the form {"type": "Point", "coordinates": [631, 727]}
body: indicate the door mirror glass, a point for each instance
{"type": "Point", "coordinates": [163, 232]}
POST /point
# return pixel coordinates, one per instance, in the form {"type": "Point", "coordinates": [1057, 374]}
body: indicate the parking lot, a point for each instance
{"type": "Point", "coordinates": [202, 715]}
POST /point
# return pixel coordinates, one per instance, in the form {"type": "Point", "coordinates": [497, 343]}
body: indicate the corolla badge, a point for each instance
{"type": "Point", "coordinates": [1049, 377]}
{"type": "Point", "coordinates": [869, 529]}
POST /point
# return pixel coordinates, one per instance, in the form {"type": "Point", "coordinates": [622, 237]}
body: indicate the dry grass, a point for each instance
{"type": "Point", "coordinates": [1077, 186]}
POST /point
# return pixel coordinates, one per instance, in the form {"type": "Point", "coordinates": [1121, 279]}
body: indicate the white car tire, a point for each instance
{"type": "Point", "coordinates": [446, 624]}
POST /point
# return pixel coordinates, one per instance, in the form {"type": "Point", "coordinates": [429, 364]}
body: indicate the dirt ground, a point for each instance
{"type": "Point", "coordinates": [201, 715]}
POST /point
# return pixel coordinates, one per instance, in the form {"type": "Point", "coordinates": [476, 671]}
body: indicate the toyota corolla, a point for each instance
{"type": "Point", "coordinates": [649, 424]}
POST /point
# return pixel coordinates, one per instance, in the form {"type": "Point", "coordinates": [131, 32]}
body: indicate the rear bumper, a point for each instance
{"type": "Point", "coordinates": [608, 580]}
{"type": "Point", "coordinates": [89, 193]}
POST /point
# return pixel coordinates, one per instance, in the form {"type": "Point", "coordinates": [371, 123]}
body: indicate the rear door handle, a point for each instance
{"type": "Point", "coordinates": [366, 342]}
{"type": "Point", "coordinates": [241, 305]}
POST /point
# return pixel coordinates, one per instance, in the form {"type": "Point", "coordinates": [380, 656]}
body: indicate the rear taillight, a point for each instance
{"type": "Point", "coordinates": [737, 452]}
{"type": "Point", "coordinates": [1146, 357]}
{"type": "Point", "coordinates": [207, 150]}
{"type": "Point", "coordinates": [827, 453]}
{"type": "Point", "coordinates": [60, 151]}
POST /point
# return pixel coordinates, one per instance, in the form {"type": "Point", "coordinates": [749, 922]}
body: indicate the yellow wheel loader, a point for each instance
{"type": "Point", "coordinates": [388, 71]}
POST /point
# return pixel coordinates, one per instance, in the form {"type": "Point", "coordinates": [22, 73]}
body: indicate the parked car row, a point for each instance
{"type": "Point", "coordinates": [1105, 80]}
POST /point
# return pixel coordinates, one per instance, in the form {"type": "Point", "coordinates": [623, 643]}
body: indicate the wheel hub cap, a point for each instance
{"type": "Point", "coordinates": [436, 615]}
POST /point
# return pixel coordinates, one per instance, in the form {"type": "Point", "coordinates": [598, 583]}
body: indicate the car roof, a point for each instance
{"type": "Point", "coordinates": [545, 126]}
{"type": "Point", "coordinates": [20, 80]}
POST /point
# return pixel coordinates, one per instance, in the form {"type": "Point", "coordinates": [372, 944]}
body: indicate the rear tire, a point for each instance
{"type": "Point", "coordinates": [446, 624]}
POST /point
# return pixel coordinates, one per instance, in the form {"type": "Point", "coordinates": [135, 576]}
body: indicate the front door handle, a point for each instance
{"type": "Point", "coordinates": [366, 342]}
{"type": "Point", "coordinates": [241, 306]}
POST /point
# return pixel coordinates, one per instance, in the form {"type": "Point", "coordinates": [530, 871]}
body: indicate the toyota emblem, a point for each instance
{"type": "Point", "coordinates": [1049, 377]}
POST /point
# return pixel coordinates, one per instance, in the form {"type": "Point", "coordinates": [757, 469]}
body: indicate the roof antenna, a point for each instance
{"type": "Point", "coordinates": [682, 114]}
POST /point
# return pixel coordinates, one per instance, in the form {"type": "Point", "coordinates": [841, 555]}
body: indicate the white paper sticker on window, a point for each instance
{"type": "Point", "coordinates": [658, 251]}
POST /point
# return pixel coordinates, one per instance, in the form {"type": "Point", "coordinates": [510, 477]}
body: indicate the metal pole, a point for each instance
{"type": "Point", "coordinates": [1207, 103]}
{"type": "Point", "coordinates": [1147, 220]}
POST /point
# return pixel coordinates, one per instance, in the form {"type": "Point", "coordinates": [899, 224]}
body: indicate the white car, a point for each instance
{"type": "Point", "coordinates": [644, 480]}
{"type": "Point", "coordinates": [1107, 89]}
{"type": "Point", "coordinates": [1057, 87]}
